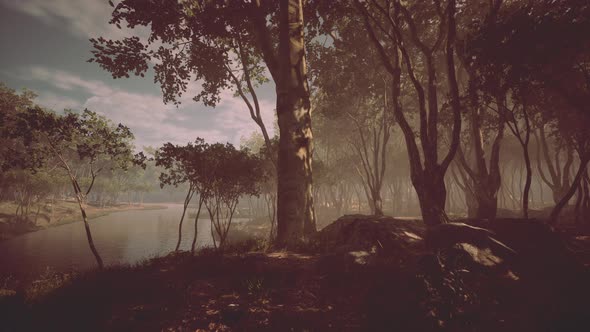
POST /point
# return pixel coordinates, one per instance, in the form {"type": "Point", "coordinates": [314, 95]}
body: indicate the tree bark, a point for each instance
{"type": "Point", "coordinates": [432, 195]}
{"type": "Point", "coordinates": [553, 218]}
{"type": "Point", "coordinates": [528, 181]}
{"type": "Point", "coordinates": [295, 211]}
{"type": "Point", "coordinates": [427, 175]}
{"type": "Point", "coordinates": [80, 198]}
{"type": "Point", "coordinates": [559, 179]}
{"type": "Point", "coordinates": [187, 200]}
{"type": "Point", "coordinates": [194, 244]}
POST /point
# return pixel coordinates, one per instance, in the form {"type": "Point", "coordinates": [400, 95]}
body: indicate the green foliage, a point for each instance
{"type": "Point", "coordinates": [202, 41]}
{"type": "Point", "coordinates": [11, 146]}
{"type": "Point", "coordinates": [181, 163]}
{"type": "Point", "coordinates": [535, 52]}
{"type": "Point", "coordinates": [85, 137]}
{"type": "Point", "coordinates": [217, 169]}
{"type": "Point", "coordinates": [219, 173]}
{"type": "Point", "coordinates": [229, 173]}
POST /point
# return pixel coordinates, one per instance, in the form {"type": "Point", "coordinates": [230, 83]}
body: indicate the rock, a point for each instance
{"type": "Point", "coordinates": [362, 235]}
{"type": "Point", "coordinates": [448, 235]}
{"type": "Point", "coordinates": [540, 248]}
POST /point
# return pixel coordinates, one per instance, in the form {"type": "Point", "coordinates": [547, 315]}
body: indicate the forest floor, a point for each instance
{"type": "Point", "coordinates": [49, 215]}
{"type": "Point", "coordinates": [329, 286]}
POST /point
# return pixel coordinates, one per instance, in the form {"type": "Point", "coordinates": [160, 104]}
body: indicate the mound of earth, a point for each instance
{"type": "Point", "coordinates": [371, 233]}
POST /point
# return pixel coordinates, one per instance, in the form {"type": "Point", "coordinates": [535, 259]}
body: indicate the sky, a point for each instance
{"type": "Point", "coordinates": [45, 46]}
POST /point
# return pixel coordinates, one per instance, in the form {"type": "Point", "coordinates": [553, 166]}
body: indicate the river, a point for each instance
{"type": "Point", "coordinates": [121, 237]}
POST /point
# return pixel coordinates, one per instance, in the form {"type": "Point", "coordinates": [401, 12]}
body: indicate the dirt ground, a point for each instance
{"type": "Point", "coordinates": [333, 286]}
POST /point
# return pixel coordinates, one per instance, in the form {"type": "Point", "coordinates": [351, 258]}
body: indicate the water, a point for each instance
{"type": "Point", "coordinates": [121, 237]}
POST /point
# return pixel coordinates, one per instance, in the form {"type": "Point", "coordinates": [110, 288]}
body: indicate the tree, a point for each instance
{"type": "Point", "coordinates": [483, 178]}
{"type": "Point", "coordinates": [403, 32]}
{"type": "Point", "coordinates": [65, 139]}
{"type": "Point", "coordinates": [11, 145]}
{"type": "Point", "coordinates": [550, 83]}
{"type": "Point", "coordinates": [226, 175]}
{"type": "Point", "coordinates": [198, 41]}
{"type": "Point", "coordinates": [183, 165]}
{"type": "Point", "coordinates": [268, 186]}
{"type": "Point", "coordinates": [356, 99]}
{"type": "Point", "coordinates": [559, 178]}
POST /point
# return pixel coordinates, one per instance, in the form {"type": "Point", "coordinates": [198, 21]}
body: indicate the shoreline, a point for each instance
{"type": "Point", "coordinates": [71, 215]}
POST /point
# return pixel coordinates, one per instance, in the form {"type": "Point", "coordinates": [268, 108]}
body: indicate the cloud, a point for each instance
{"type": "Point", "coordinates": [235, 117]}
{"type": "Point", "coordinates": [84, 18]}
{"type": "Point", "coordinates": [55, 102]}
{"type": "Point", "coordinates": [152, 121]}
{"type": "Point", "coordinates": [66, 81]}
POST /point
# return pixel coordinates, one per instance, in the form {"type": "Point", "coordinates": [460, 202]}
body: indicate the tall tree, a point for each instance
{"type": "Point", "coordinates": [420, 36]}
{"type": "Point", "coordinates": [181, 167]}
{"type": "Point", "coordinates": [198, 40]}
{"type": "Point", "coordinates": [356, 99]}
{"type": "Point", "coordinates": [226, 174]}
{"type": "Point", "coordinates": [84, 138]}
{"type": "Point", "coordinates": [559, 177]}
{"type": "Point", "coordinates": [11, 148]}
{"type": "Point", "coordinates": [485, 128]}
{"type": "Point", "coordinates": [542, 83]}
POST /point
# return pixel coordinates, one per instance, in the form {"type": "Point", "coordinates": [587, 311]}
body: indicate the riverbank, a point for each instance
{"type": "Point", "coordinates": [358, 274]}
{"type": "Point", "coordinates": [51, 215]}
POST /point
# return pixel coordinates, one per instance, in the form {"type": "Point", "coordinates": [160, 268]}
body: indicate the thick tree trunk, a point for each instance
{"type": "Point", "coordinates": [432, 196]}
{"type": "Point", "coordinates": [377, 203]}
{"type": "Point", "coordinates": [295, 212]}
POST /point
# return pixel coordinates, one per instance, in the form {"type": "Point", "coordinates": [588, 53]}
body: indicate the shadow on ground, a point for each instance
{"type": "Point", "coordinates": [359, 274]}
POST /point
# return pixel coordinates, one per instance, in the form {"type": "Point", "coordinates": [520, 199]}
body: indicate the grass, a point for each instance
{"type": "Point", "coordinates": [244, 290]}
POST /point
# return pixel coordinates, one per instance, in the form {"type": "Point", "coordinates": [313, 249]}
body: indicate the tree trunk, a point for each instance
{"type": "Point", "coordinates": [528, 181]}
{"type": "Point", "coordinates": [579, 198]}
{"type": "Point", "coordinates": [81, 202]}
{"type": "Point", "coordinates": [377, 203]}
{"type": "Point", "coordinates": [194, 244]}
{"type": "Point", "coordinates": [553, 218]}
{"type": "Point", "coordinates": [432, 196]}
{"type": "Point", "coordinates": [187, 200]}
{"type": "Point", "coordinates": [89, 236]}
{"type": "Point", "coordinates": [295, 212]}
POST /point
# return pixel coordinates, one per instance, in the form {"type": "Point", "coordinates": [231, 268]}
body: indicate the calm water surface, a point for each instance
{"type": "Point", "coordinates": [121, 237]}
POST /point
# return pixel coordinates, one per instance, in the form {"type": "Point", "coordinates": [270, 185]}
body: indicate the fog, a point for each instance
{"type": "Point", "coordinates": [312, 165]}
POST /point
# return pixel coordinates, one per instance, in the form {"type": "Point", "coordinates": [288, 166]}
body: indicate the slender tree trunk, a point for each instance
{"type": "Point", "coordinates": [586, 195]}
{"type": "Point", "coordinates": [295, 211]}
{"type": "Point", "coordinates": [194, 244]}
{"type": "Point", "coordinates": [579, 198]}
{"type": "Point", "coordinates": [271, 200]}
{"type": "Point", "coordinates": [89, 235]}
{"type": "Point", "coordinates": [187, 200]}
{"type": "Point", "coordinates": [81, 202]}
{"type": "Point", "coordinates": [358, 196]}
{"type": "Point", "coordinates": [528, 181]}
{"type": "Point", "coordinates": [553, 218]}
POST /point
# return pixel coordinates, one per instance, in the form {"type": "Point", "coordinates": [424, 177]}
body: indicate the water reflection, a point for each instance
{"type": "Point", "coordinates": [122, 237]}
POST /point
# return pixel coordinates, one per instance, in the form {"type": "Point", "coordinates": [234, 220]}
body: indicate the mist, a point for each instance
{"type": "Point", "coordinates": [295, 165]}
